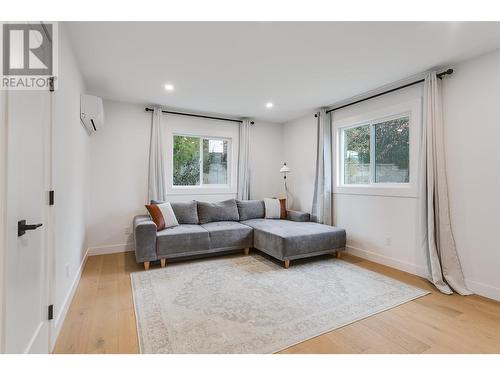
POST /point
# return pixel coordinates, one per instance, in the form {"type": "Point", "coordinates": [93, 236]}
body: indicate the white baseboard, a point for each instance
{"type": "Point", "coordinates": [110, 249]}
{"type": "Point", "coordinates": [475, 286]}
{"type": "Point", "coordinates": [63, 309]}
{"type": "Point", "coordinates": [483, 289]}
{"type": "Point", "coordinates": [388, 261]}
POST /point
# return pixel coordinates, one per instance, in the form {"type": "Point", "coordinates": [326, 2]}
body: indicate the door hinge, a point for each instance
{"type": "Point", "coordinates": [51, 197]}
{"type": "Point", "coordinates": [51, 84]}
{"type": "Point", "coordinates": [50, 314]}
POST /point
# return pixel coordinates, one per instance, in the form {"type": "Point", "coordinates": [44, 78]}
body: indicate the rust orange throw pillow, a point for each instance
{"type": "Point", "coordinates": [162, 215]}
{"type": "Point", "coordinates": [156, 216]}
{"type": "Point", "coordinates": [283, 208]}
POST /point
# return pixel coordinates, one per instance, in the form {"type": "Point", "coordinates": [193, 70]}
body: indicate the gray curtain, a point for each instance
{"type": "Point", "coordinates": [322, 198]}
{"type": "Point", "coordinates": [157, 179]}
{"type": "Point", "coordinates": [243, 161]}
{"type": "Point", "coordinates": [437, 241]}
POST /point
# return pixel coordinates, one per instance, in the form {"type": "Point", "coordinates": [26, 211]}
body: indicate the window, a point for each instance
{"type": "Point", "coordinates": [377, 152]}
{"type": "Point", "coordinates": [199, 161]}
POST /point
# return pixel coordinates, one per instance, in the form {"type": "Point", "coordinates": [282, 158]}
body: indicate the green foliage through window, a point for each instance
{"type": "Point", "coordinates": [186, 161]}
{"type": "Point", "coordinates": [377, 152]}
{"type": "Point", "coordinates": [198, 161]}
{"type": "Point", "coordinates": [357, 155]}
{"type": "Point", "coordinates": [392, 151]}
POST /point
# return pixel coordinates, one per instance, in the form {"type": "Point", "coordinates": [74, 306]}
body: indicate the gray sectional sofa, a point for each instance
{"type": "Point", "coordinates": [206, 228]}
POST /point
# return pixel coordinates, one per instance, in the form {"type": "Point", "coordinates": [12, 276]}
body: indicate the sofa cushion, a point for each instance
{"type": "Point", "coordinates": [251, 209]}
{"type": "Point", "coordinates": [185, 212]}
{"type": "Point", "coordinates": [162, 215]}
{"type": "Point", "coordinates": [298, 216]}
{"type": "Point", "coordinates": [229, 234]}
{"type": "Point", "coordinates": [220, 211]}
{"type": "Point", "coordinates": [156, 215]}
{"type": "Point", "coordinates": [183, 238]}
{"type": "Point", "coordinates": [273, 208]}
{"type": "Point", "coordinates": [285, 239]}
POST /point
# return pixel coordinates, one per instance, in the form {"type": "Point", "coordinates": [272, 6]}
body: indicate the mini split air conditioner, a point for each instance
{"type": "Point", "coordinates": [91, 113]}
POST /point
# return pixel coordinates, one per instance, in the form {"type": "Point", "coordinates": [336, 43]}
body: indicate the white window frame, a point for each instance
{"type": "Point", "coordinates": [201, 128]}
{"type": "Point", "coordinates": [412, 109]}
{"type": "Point", "coordinates": [202, 185]}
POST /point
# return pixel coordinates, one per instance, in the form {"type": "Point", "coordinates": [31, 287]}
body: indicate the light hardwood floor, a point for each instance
{"type": "Point", "coordinates": [101, 318]}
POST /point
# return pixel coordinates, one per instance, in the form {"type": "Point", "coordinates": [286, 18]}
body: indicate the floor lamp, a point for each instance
{"type": "Point", "coordinates": [284, 169]}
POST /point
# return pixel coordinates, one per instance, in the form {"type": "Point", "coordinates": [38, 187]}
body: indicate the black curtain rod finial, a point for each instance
{"type": "Point", "coordinates": [445, 73]}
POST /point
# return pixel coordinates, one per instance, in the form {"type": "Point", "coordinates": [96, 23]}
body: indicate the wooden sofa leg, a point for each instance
{"type": "Point", "coordinates": [337, 255]}
{"type": "Point", "coordinates": [247, 250]}
{"type": "Point", "coordinates": [163, 262]}
{"type": "Point", "coordinates": [286, 263]}
{"type": "Point", "coordinates": [146, 266]}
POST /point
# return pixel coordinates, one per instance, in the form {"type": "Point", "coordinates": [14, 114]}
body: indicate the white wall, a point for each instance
{"type": "Point", "coordinates": [119, 169]}
{"type": "Point", "coordinates": [471, 101]}
{"type": "Point", "coordinates": [299, 150]}
{"type": "Point", "coordinates": [266, 159]}
{"type": "Point", "coordinates": [70, 167]}
{"type": "Point", "coordinates": [472, 135]}
{"type": "Point", "coordinates": [118, 173]}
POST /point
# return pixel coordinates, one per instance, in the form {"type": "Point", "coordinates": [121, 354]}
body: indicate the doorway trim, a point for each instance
{"type": "Point", "coordinates": [3, 211]}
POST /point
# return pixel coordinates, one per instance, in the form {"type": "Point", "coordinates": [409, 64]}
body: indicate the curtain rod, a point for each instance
{"type": "Point", "coordinates": [199, 116]}
{"type": "Point", "coordinates": [440, 75]}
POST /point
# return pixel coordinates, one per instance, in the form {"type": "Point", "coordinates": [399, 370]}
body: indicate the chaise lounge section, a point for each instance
{"type": "Point", "coordinates": [206, 228]}
{"type": "Point", "coordinates": [287, 240]}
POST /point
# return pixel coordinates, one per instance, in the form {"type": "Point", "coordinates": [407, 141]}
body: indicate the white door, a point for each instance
{"type": "Point", "coordinates": [26, 328]}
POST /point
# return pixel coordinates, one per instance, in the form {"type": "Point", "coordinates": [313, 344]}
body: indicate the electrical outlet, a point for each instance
{"type": "Point", "coordinates": [388, 241]}
{"type": "Point", "coordinates": [66, 268]}
{"type": "Point", "coordinates": [127, 230]}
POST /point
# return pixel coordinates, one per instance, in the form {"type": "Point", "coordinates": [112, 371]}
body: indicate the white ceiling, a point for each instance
{"type": "Point", "coordinates": [235, 68]}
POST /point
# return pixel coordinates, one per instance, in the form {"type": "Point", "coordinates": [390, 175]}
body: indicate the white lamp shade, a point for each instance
{"type": "Point", "coordinates": [284, 169]}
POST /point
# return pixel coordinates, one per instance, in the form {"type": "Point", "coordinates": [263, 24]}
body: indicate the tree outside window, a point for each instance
{"type": "Point", "coordinates": [199, 161]}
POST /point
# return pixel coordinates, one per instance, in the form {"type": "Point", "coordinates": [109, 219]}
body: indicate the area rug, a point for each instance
{"type": "Point", "coordinates": [250, 304]}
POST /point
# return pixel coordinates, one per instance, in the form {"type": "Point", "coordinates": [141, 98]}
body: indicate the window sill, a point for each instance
{"type": "Point", "coordinates": [198, 190]}
{"type": "Point", "coordinates": [387, 190]}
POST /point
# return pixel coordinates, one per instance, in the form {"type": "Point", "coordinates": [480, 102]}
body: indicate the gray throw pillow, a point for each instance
{"type": "Point", "coordinates": [252, 209]}
{"type": "Point", "coordinates": [185, 212]}
{"type": "Point", "coordinates": [220, 211]}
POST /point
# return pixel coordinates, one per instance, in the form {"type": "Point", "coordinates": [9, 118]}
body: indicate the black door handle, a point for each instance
{"type": "Point", "coordinates": [22, 227]}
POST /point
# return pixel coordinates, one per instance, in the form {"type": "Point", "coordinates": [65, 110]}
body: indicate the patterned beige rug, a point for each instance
{"type": "Point", "coordinates": [249, 304]}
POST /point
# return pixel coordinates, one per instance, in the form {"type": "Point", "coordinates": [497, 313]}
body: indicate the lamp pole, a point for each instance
{"type": "Point", "coordinates": [285, 169]}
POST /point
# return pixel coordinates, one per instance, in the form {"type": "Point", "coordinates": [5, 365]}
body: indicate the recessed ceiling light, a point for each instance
{"type": "Point", "coordinates": [269, 105]}
{"type": "Point", "coordinates": [169, 87]}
